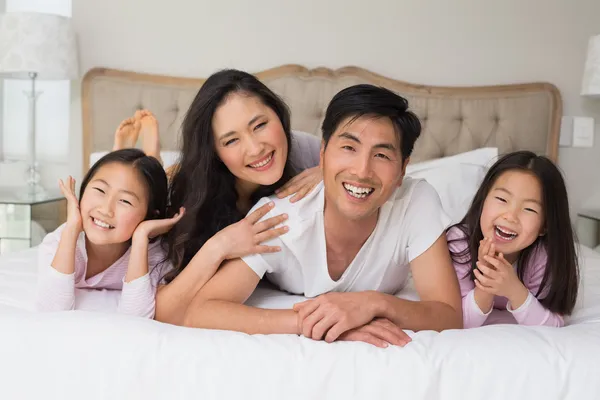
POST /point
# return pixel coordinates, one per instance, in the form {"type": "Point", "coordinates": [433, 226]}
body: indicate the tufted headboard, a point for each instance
{"type": "Point", "coordinates": [455, 119]}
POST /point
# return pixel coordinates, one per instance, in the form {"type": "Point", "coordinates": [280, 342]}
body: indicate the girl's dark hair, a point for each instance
{"type": "Point", "coordinates": [149, 169]}
{"type": "Point", "coordinates": [561, 278]}
{"type": "Point", "coordinates": [202, 183]}
{"type": "Point", "coordinates": [373, 101]}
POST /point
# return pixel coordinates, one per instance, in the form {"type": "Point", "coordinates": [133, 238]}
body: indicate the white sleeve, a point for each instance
{"type": "Point", "coordinates": [266, 262]}
{"type": "Point", "coordinates": [55, 290]}
{"type": "Point", "coordinates": [425, 219]}
{"type": "Point", "coordinates": [138, 297]}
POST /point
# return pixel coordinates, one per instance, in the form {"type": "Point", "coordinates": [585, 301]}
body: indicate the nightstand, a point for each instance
{"type": "Point", "coordinates": [25, 218]}
{"type": "Point", "coordinates": [588, 228]}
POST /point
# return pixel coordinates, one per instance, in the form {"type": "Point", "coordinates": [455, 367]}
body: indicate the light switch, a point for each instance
{"type": "Point", "coordinates": [583, 132]}
{"type": "Point", "coordinates": [566, 132]}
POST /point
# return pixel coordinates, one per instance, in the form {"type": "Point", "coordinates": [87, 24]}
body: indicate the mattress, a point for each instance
{"type": "Point", "coordinates": [93, 353]}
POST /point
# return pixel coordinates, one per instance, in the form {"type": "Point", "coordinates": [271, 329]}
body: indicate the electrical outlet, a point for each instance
{"type": "Point", "coordinates": [583, 132]}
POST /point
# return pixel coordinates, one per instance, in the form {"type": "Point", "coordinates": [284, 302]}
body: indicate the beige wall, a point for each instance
{"type": "Point", "coordinates": [461, 42]}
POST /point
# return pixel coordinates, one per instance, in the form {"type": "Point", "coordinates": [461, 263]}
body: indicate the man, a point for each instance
{"type": "Point", "coordinates": [351, 242]}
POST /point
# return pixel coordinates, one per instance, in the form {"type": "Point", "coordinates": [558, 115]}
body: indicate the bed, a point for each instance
{"type": "Point", "coordinates": [97, 354]}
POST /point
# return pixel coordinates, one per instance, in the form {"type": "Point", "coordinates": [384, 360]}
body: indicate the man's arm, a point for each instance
{"type": "Point", "coordinates": [330, 315]}
{"type": "Point", "coordinates": [218, 305]}
{"type": "Point", "coordinates": [439, 307]}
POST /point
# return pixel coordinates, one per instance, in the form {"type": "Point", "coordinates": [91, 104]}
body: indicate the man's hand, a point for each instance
{"type": "Point", "coordinates": [330, 315]}
{"type": "Point", "coordinates": [380, 332]}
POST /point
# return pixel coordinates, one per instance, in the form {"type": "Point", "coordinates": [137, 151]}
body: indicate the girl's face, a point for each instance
{"type": "Point", "coordinates": [513, 213]}
{"type": "Point", "coordinates": [113, 204]}
{"type": "Point", "coordinates": [250, 140]}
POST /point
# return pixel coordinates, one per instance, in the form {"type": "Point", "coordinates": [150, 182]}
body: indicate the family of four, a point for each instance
{"type": "Point", "coordinates": [333, 219]}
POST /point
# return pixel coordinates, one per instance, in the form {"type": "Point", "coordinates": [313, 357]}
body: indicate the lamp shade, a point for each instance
{"type": "Point", "coordinates": [40, 43]}
{"type": "Point", "coordinates": [591, 73]}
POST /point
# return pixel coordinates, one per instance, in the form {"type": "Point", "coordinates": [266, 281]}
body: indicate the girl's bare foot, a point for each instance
{"type": "Point", "coordinates": [127, 134]}
{"type": "Point", "coordinates": [149, 132]}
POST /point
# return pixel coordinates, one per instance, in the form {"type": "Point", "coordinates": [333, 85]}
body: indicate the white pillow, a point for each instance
{"type": "Point", "coordinates": [169, 157]}
{"type": "Point", "coordinates": [456, 178]}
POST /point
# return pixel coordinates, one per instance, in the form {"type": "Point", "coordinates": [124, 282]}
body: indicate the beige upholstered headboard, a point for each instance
{"type": "Point", "coordinates": [455, 119]}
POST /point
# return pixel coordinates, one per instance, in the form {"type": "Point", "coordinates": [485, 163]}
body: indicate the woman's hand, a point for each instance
{"type": "Point", "coordinates": [74, 219]}
{"type": "Point", "coordinates": [301, 184]}
{"type": "Point", "coordinates": [245, 237]}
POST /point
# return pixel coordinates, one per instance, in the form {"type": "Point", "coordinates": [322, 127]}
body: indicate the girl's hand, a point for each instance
{"type": "Point", "coordinates": [74, 220]}
{"type": "Point", "coordinates": [501, 280]}
{"type": "Point", "coordinates": [301, 184]}
{"type": "Point", "coordinates": [152, 228]}
{"type": "Point", "coordinates": [245, 237]}
{"type": "Point", "coordinates": [484, 300]}
{"type": "Point", "coordinates": [486, 248]}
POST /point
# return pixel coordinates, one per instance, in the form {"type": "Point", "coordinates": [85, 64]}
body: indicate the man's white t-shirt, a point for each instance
{"type": "Point", "coordinates": [408, 224]}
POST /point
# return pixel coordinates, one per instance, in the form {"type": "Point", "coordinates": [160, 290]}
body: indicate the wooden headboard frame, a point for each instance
{"type": "Point", "coordinates": [300, 71]}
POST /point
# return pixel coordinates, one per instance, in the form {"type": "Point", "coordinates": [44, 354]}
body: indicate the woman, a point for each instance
{"type": "Point", "coordinates": [237, 147]}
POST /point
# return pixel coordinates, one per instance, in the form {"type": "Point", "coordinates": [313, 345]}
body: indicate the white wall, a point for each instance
{"type": "Point", "coordinates": [466, 42]}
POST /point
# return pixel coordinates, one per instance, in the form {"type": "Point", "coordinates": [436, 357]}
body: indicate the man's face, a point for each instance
{"type": "Point", "coordinates": [362, 166]}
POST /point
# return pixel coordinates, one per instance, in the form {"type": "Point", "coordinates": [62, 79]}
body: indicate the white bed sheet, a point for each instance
{"type": "Point", "coordinates": [99, 355]}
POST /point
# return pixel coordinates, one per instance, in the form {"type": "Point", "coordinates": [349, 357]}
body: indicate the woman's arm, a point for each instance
{"type": "Point", "coordinates": [218, 305]}
{"type": "Point", "coordinates": [237, 240]}
{"type": "Point", "coordinates": [172, 300]}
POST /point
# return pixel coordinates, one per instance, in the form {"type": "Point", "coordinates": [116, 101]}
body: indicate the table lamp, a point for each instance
{"type": "Point", "coordinates": [36, 46]}
{"type": "Point", "coordinates": [591, 74]}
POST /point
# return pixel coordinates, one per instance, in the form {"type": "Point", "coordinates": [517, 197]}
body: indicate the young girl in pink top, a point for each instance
{"type": "Point", "coordinates": [112, 237]}
{"type": "Point", "coordinates": [515, 248]}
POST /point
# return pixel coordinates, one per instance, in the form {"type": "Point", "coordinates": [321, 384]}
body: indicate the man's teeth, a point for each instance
{"type": "Point", "coordinates": [505, 233]}
{"type": "Point", "coordinates": [358, 192]}
{"type": "Point", "coordinates": [262, 163]}
{"type": "Point", "coordinates": [102, 224]}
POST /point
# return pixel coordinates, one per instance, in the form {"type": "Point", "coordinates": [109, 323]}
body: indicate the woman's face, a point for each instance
{"type": "Point", "coordinates": [250, 140]}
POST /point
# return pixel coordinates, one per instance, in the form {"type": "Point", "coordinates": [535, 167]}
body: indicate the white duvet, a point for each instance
{"type": "Point", "coordinates": [97, 355]}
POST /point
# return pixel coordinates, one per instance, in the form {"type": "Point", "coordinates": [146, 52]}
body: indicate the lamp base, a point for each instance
{"type": "Point", "coordinates": [34, 187]}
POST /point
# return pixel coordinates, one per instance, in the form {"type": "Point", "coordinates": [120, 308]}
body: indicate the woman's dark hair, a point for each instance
{"type": "Point", "coordinates": [559, 285]}
{"type": "Point", "coordinates": [149, 169]}
{"type": "Point", "coordinates": [373, 101]}
{"type": "Point", "coordinates": [202, 183]}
